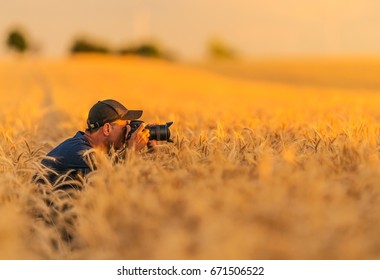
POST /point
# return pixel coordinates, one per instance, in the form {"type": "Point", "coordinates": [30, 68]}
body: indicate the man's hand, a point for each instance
{"type": "Point", "coordinates": [139, 138]}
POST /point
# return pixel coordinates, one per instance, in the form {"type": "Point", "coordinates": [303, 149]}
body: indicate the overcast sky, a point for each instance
{"type": "Point", "coordinates": [253, 27]}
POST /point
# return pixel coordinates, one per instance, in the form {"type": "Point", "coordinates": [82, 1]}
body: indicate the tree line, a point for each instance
{"type": "Point", "coordinates": [17, 41]}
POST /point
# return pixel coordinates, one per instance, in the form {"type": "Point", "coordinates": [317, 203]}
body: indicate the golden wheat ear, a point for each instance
{"type": "Point", "coordinates": [42, 172]}
{"type": "Point", "coordinates": [90, 158]}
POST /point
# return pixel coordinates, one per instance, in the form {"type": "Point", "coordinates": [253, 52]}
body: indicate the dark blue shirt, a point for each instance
{"type": "Point", "coordinates": [68, 158]}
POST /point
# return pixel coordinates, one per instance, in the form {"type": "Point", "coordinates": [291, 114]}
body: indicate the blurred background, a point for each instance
{"type": "Point", "coordinates": [331, 43]}
{"type": "Point", "coordinates": [248, 28]}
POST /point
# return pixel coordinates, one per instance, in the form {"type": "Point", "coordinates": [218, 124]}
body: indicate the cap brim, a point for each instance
{"type": "Point", "coordinates": [132, 115]}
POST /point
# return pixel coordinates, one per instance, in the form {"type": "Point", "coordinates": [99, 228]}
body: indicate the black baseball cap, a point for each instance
{"type": "Point", "coordinates": [109, 110]}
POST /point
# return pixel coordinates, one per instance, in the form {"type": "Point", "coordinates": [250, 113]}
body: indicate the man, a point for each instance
{"type": "Point", "coordinates": [107, 129]}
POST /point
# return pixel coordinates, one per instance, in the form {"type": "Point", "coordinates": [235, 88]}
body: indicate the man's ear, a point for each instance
{"type": "Point", "coordinates": [107, 129]}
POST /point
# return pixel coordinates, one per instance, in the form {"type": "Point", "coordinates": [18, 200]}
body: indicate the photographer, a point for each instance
{"type": "Point", "coordinates": [107, 128]}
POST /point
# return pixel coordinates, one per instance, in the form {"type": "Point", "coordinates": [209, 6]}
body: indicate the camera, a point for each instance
{"type": "Point", "coordinates": [159, 132]}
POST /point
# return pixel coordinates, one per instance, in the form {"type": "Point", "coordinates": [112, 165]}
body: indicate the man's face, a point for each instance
{"type": "Point", "coordinates": [117, 134]}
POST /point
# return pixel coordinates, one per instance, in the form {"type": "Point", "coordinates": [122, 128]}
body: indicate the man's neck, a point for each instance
{"type": "Point", "coordinates": [94, 140]}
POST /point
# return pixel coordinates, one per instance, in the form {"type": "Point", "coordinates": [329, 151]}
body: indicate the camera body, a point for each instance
{"type": "Point", "coordinates": [160, 132]}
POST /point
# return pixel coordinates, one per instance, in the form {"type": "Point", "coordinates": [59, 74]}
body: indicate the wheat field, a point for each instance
{"type": "Point", "coordinates": [257, 170]}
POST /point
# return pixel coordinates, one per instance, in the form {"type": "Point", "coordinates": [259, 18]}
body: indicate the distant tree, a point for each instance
{"type": "Point", "coordinates": [146, 50]}
{"type": "Point", "coordinates": [143, 50]}
{"type": "Point", "coordinates": [217, 49]}
{"type": "Point", "coordinates": [16, 40]}
{"type": "Point", "coordinates": [86, 46]}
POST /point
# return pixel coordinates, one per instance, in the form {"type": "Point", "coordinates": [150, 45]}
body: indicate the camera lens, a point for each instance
{"type": "Point", "coordinates": [159, 132]}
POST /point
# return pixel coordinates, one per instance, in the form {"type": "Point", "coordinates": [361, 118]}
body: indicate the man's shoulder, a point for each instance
{"type": "Point", "coordinates": [68, 156]}
{"type": "Point", "coordinates": [74, 144]}
{"type": "Point", "coordinates": [79, 139]}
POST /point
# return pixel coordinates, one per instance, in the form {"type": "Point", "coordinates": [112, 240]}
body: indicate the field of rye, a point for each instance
{"type": "Point", "coordinates": [257, 170]}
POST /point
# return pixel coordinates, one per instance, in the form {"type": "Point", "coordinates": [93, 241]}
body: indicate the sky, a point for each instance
{"type": "Point", "coordinates": [251, 27]}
